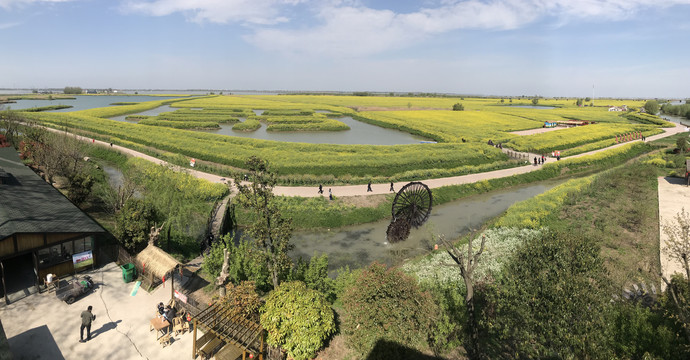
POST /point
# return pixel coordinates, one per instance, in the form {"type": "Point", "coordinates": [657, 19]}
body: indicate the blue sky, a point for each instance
{"type": "Point", "coordinates": [625, 48]}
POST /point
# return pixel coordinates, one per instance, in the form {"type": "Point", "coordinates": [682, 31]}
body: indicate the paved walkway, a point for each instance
{"type": "Point", "coordinates": [358, 190]}
{"type": "Point", "coordinates": [43, 327]}
{"type": "Point", "coordinates": [673, 197]}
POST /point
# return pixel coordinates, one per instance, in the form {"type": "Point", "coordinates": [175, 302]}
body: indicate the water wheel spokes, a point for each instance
{"type": "Point", "coordinates": [413, 202]}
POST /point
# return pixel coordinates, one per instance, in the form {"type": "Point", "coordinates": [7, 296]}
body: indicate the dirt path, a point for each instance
{"type": "Point", "coordinates": [377, 189]}
{"type": "Point", "coordinates": [673, 197]}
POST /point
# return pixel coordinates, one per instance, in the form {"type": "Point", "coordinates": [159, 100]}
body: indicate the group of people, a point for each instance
{"type": "Point", "coordinates": [330, 193]}
{"type": "Point", "coordinates": [538, 160]}
{"type": "Point", "coordinates": [167, 312]}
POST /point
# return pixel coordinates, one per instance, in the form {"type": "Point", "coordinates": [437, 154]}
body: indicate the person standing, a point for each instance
{"type": "Point", "coordinates": [369, 187]}
{"type": "Point", "coordinates": [86, 318]}
{"type": "Point", "coordinates": [330, 194]}
{"type": "Point", "coordinates": [392, 189]}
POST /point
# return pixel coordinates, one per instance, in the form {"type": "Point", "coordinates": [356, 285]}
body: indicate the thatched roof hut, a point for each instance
{"type": "Point", "coordinates": [155, 262]}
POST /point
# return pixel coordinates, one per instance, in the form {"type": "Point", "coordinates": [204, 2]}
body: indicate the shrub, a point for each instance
{"type": "Point", "coordinates": [243, 299]}
{"type": "Point", "coordinates": [458, 107]}
{"type": "Point", "coordinates": [315, 275]}
{"type": "Point", "coordinates": [297, 319]}
{"type": "Point", "coordinates": [386, 305]}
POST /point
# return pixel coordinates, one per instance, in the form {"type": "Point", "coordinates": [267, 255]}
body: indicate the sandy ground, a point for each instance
{"type": "Point", "coordinates": [42, 327]}
{"type": "Point", "coordinates": [537, 130]}
{"type": "Point", "coordinates": [673, 197]}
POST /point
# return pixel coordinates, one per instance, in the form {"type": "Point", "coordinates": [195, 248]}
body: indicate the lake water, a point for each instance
{"type": "Point", "coordinates": [360, 133]}
{"type": "Point", "coordinates": [83, 102]}
{"type": "Point", "coordinates": [359, 245]}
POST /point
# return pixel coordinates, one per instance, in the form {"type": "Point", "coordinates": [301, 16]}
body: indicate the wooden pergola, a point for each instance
{"type": "Point", "coordinates": [233, 329]}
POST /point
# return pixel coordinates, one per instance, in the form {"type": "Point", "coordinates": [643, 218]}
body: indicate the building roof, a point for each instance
{"type": "Point", "coordinates": [158, 262]}
{"type": "Point", "coordinates": [30, 205]}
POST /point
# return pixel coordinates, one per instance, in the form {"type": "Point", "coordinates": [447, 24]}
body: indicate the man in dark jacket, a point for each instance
{"type": "Point", "coordinates": [86, 318]}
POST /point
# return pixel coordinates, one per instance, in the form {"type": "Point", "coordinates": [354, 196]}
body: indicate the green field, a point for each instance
{"type": "Point", "coordinates": [300, 163]}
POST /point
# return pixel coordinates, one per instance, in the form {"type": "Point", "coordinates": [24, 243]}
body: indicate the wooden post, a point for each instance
{"type": "Point", "coordinates": [194, 341]}
{"type": "Point", "coordinates": [244, 354]}
{"type": "Point", "coordinates": [172, 284]}
{"type": "Point", "coordinates": [4, 288]}
{"type": "Point", "coordinates": [261, 348]}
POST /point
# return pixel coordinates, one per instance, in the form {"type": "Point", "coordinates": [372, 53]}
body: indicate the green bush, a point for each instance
{"type": "Point", "coordinates": [297, 319]}
{"type": "Point", "coordinates": [386, 305]}
{"type": "Point", "coordinates": [315, 275]}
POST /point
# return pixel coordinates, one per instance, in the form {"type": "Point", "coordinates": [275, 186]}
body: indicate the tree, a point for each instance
{"type": "Point", "coordinates": [386, 304]}
{"type": "Point", "coordinates": [651, 106]}
{"type": "Point", "coordinates": [242, 299]}
{"type": "Point", "coordinates": [133, 224]}
{"type": "Point", "coordinates": [587, 99]}
{"type": "Point", "coordinates": [551, 300]}
{"type": "Point", "coordinates": [270, 232]}
{"type": "Point", "coordinates": [315, 275]}
{"type": "Point", "coordinates": [458, 107]}
{"type": "Point", "coordinates": [73, 90]}
{"type": "Point", "coordinates": [502, 101]}
{"type": "Point", "coordinates": [10, 122]}
{"type": "Point", "coordinates": [242, 265]}
{"type": "Point", "coordinates": [682, 143]}
{"type": "Point", "coordinates": [467, 264]}
{"type": "Point", "coordinates": [678, 244]}
{"type": "Point", "coordinates": [297, 319]}
{"type": "Point", "coordinates": [535, 101]}
{"type": "Point", "coordinates": [578, 102]}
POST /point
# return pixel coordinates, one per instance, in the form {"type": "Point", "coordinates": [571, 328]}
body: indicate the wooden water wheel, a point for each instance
{"type": "Point", "coordinates": [411, 208]}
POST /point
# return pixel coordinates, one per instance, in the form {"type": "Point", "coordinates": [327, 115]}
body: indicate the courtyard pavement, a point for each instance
{"type": "Point", "coordinates": [42, 327]}
{"type": "Point", "coordinates": [673, 197]}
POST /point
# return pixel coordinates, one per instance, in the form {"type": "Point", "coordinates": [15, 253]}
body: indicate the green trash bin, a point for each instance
{"type": "Point", "coordinates": [128, 272]}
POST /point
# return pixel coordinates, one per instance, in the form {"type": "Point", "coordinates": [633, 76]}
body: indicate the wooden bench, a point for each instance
{"type": "Point", "coordinates": [211, 347]}
{"type": "Point", "coordinates": [229, 352]}
{"type": "Point", "coordinates": [204, 339]}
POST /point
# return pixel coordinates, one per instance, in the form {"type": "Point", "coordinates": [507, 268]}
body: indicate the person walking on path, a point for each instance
{"type": "Point", "coordinates": [535, 161]}
{"type": "Point", "coordinates": [86, 318]}
{"type": "Point", "coordinates": [320, 189]}
{"type": "Point", "coordinates": [392, 189]}
{"type": "Point", "coordinates": [330, 194]}
{"type": "Point", "coordinates": [369, 187]}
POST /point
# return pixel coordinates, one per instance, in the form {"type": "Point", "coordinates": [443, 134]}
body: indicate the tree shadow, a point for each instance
{"type": "Point", "coordinates": [386, 349]}
{"type": "Point", "coordinates": [36, 343]}
{"type": "Point", "coordinates": [105, 327]}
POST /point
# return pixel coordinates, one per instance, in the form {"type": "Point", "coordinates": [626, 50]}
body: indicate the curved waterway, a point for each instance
{"type": "Point", "coordinates": [360, 133]}
{"type": "Point", "coordinates": [358, 245]}
{"type": "Point", "coordinates": [84, 102]}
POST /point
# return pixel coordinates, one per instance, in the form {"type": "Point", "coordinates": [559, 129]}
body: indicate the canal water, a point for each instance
{"type": "Point", "coordinates": [359, 245]}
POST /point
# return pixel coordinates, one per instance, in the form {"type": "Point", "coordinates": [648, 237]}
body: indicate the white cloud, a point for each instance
{"type": "Point", "coordinates": [8, 4]}
{"type": "Point", "coordinates": [4, 26]}
{"type": "Point", "coordinates": [262, 12]}
{"type": "Point", "coordinates": [349, 28]}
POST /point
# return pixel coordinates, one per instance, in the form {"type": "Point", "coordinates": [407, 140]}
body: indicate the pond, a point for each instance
{"type": "Point", "coordinates": [360, 133]}
{"type": "Point", "coordinates": [152, 112]}
{"type": "Point", "coordinates": [83, 102]}
{"type": "Point", "coordinates": [359, 245]}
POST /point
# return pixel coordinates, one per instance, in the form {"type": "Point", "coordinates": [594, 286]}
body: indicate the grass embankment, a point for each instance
{"type": "Point", "coordinates": [322, 213]}
{"type": "Point", "coordinates": [618, 208]}
{"type": "Point", "coordinates": [46, 108]}
{"type": "Point", "coordinates": [247, 125]}
{"type": "Point", "coordinates": [295, 162]}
